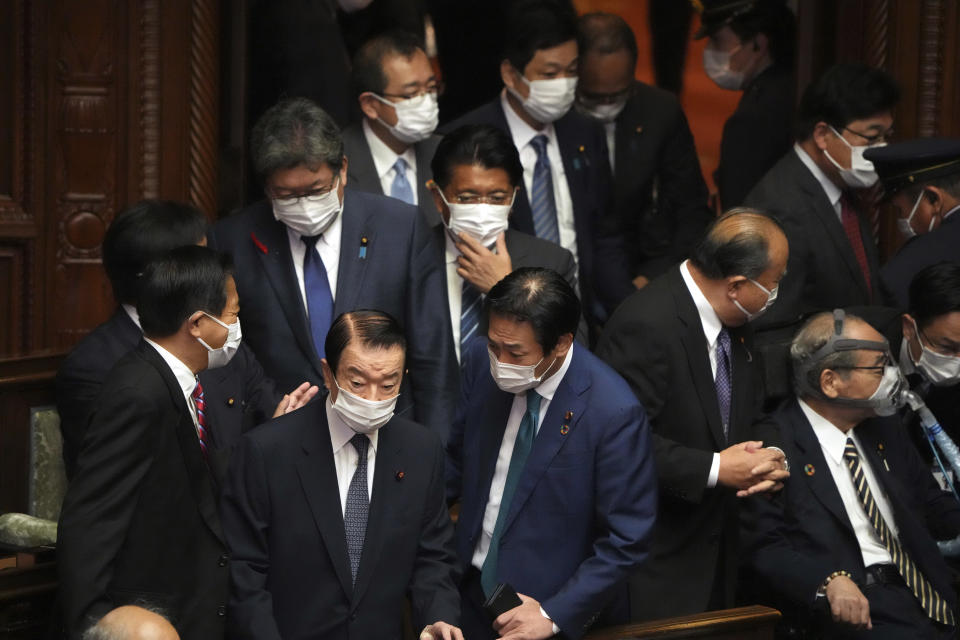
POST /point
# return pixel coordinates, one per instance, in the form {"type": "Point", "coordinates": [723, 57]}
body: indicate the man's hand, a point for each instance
{"type": "Point", "coordinates": [524, 622]}
{"type": "Point", "coordinates": [481, 267]}
{"type": "Point", "coordinates": [751, 469]}
{"type": "Point", "coordinates": [848, 604]}
{"type": "Point", "coordinates": [641, 281]}
{"type": "Point", "coordinates": [441, 631]}
{"type": "Point", "coordinates": [296, 399]}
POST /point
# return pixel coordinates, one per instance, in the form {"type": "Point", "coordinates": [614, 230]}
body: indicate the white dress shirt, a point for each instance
{"type": "Point", "coordinates": [132, 312]}
{"type": "Point", "coordinates": [711, 330]}
{"type": "Point", "coordinates": [832, 191]}
{"type": "Point", "coordinates": [328, 246]}
{"type": "Point", "coordinates": [345, 457]}
{"type": "Point", "coordinates": [833, 441]}
{"type": "Point", "coordinates": [546, 390]}
{"type": "Point", "coordinates": [454, 290]}
{"type": "Point", "coordinates": [610, 128]}
{"type": "Point", "coordinates": [522, 135]}
{"type": "Point", "coordinates": [384, 159]}
{"type": "Point", "coordinates": [185, 378]}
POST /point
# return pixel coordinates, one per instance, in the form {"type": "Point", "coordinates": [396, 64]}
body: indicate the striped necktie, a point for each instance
{"type": "Point", "coordinates": [722, 381]}
{"type": "Point", "coordinates": [934, 605]}
{"type": "Point", "coordinates": [541, 201]}
{"type": "Point", "coordinates": [470, 302]}
{"type": "Point", "coordinates": [198, 402]}
{"type": "Point", "coordinates": [851, 227]}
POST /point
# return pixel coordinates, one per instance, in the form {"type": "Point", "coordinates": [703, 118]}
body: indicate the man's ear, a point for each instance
{"type": "Point", "coordinates": [821, 133]}
{"type": "Point", "coordinates": [564, 342]}
{"type": "Point", "coordinates": [438, 201]}
{"type": "Point", "coordinates": [830, 383]}
{"type": "Point", "coordinates": [368, 105]}
{"type": "Point", "coordinates": [733, 285]}
{"type": "Point", "coordinates": [193, 323]}
{"type": "Point", "coordinates": [908, 327]}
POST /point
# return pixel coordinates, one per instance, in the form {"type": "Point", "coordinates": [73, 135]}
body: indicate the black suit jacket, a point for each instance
{"type": "Point", "coordinates": [139, 520]}
{"type": "Point", "coordinates": [604, 276]}
{"type": "Point", "coordinates": [238, 396]}
{"type": "Point", "coordinates": [940, 245]}
{"type": "Point", "coordinates": [802, 535]}
{"type": "Point", "coordinates": [653, 149]}
{"type": "Point", "coordinates": [397, 273]}
{"type": "Point", "coordinates": [283, 519]}
{"type": "Point", "coordinates": [655, 340]}
{"type": "Point", "coordinates": [362, 173]}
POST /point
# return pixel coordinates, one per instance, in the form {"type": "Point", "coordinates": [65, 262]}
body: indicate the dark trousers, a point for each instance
{"type": "Point", "coordinates": [896, 615]}
{"type": "Point", "coordinates": [474, 620]}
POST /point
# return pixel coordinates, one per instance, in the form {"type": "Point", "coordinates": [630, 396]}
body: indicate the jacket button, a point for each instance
{"type": "Point", "coordinates": [221, 611]}
{"type": "Point", "coordinates": [230, 402]}
{"type": "Point", "coordinates": [353, 617]}
{"type": "Point", "coordinates": [223, 560]}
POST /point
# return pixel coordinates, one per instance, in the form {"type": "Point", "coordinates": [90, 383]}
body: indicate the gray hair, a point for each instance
{"type": "Point", "coordinates": [813, 335]}
{"type": "Point", "coordinates": [292, 133]}
{"type": "Point", "coordinates": [736, 244]}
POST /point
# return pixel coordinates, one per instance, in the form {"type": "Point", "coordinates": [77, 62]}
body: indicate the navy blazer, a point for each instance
{"type": "Point", "coordinates": [802, 534]}
{"type": "Point", "coordinates": [940, 245]}
{"type": "Point", "coordinates": [284, 522]}
{"type": "Point", "coordinates": [238, 396]}
{"type": "Point", "coordinates": [580, 520]}
{"type": "Point", "coordinates": [387, 262]}
{"type": "Point", "coordinates": [604, 274]}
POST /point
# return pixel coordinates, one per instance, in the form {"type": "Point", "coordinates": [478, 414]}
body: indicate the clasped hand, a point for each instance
{"type": "Point", "coordinates": [751, 469]}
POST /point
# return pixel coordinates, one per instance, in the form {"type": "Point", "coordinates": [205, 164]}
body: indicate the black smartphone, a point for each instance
{"type": "Point", "coordinates": [503, 598]}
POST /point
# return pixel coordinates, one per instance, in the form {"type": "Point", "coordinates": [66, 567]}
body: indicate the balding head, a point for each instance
{"type": "Point", "coordinates": [132, 623]}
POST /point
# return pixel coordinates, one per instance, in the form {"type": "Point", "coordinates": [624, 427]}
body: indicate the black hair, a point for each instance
{"type": "Point", "coordinates": [476, 144]}
{"type": "Point", "coordinates": [295, 132]}
{"type": "Point", "coordinates": [178, 284]}
{"type": "Point", "coordinates": [142, 232]}
{"type": "Point", "coordinates": [374, 329]}
{"type": "Point", "coordinates": [539, 296]}
{"type": "Point", "coordinates": [368, 72]}
{"type": "Point", "coordinates": [776, 21]}
{"type": "Point", "coordinates": [604, 33]}
{"type": "Point", "coordinates": [935, 291]}
{"type": "Point", "coordinates": [533, 25]}
{"type": "Point", "coordinates": [746, 252]}
{"type": "Point", "coordinates": [844, 93]}
{"type": "Point", "coordinates": [950, 184]}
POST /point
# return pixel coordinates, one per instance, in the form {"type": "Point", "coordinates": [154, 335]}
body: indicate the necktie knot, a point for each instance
{"type": "Point", "coordinates": [198, 391]}
{"type": "Point", "coordinates": [311, 241]}
{"type": "Point", "coordinates": [539, 144]}
{"type": "Point", "coordinates": [723, 340]}
{"type": "Point", "coordinates": [400, 166]}
{"type": "Point", "coordinates": [360, 442]}
{"type": "Point", "coordinates": [533, 402]}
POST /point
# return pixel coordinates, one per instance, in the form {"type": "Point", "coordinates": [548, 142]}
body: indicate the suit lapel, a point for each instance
{"type": "Point", "coordinates": [360, 168]}
{"type": "Point", "coordinates": [521, 216]}
{"type": "Point", "coordinates": [424, 151]}
{"type": "Point", "coordinates": [318, 478]}
{"type": "Point", "coordinates": [491, 426]}
{"type": "Point", "coordinates": [357, 233]}
{"type": "Point", "coordinates": [743, 396]}
{"type": "Point", "coordinates": [575, 164]}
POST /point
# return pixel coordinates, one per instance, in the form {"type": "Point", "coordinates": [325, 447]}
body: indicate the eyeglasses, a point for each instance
{"type": "Point", "coordinates": [952, 350]}
{"type": "Point", "coordinates": [313, 193]}
{"type": "Point", "coordinates": [886, 136]}
{"type": "Point", "coordinates": [492, 198]}
{"type": "Point", "coordinates": [605, 98]}
{"type": "Point", "coordinates": [876, 368]}
{"type": "Point", "coordinates": [434, 89]}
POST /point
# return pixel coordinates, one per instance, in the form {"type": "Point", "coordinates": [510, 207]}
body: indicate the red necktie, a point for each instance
{"type": "Point", "coordinates": [851, 225]}
{"type": "Point", "coordinates": [201, 418]}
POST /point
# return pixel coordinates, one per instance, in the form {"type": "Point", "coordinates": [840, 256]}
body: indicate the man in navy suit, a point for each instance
{"type": "Point", "coordinates": [566, 195]}
{"type": "Point", "coordinates": [312, 251]}
{"type": "Point", "coordinates": [551, 459]}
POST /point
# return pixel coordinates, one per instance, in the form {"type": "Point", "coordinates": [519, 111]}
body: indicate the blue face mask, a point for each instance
{"type": "Point", "coordinates": [771, 298]}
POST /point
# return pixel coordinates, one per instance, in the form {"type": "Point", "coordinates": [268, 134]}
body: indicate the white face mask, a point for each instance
{"type": "Point", "coordinates": [309, 215]}
{"type": "Point", "coordinates": [417, 118]}
{"type": "Point", "coordinates": [716, 64]}
{"type": "Point", "coordinates": [605, 113]}
{"type": "Point", "coordinates": [482, 222]}
{"type": "Point", "coordinates": [514, 378]}
{"type": "Point", "coordinates": [861, 174]}
{"type": "Point", "coordinates": [889, 394]}
{"type": "Point", "coordinates": [361, 415]}
{"type": "Point", "coordinates": [903, 224]}
{"type": "Point", "coordinates": [220, 357]}
{"type": "Point", "coordinates": [942, 370]}
{"type": "Point", "coordinates": [549, 100]}
{"type": "Point", "coordinates": [771, 298]}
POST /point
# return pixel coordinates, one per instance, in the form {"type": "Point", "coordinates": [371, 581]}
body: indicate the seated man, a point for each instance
{"type": "Point", "coordinates": [132, 623]}
{"type": "Point", "coordinates": [849, 543]}
{"type": "Point", "coordinates": [477, 174]}
{"type": "Point", "coordinates": [552, 461]}
{"type": "Point", "coordinates": [323, 546]}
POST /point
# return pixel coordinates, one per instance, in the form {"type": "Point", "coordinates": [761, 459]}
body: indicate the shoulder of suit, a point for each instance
{"type": "Point", "coordinates": [488, 113]}
{"type": "Point", "coordinates": [653, 98]}
{"type": "Point", "coordinates": [412, 433]}
{"type": "Point", "coordinates": [241, 222]}
{"type": "Point", "coordinates": [137, 373]}
{"type": "Point", "coordinates": [606, 381]}
{"type": "Point", "coordinates": [380, 205]}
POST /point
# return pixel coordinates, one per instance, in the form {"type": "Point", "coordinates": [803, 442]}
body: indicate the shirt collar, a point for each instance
{"type": "Point", "coordinates": [708, 316]}
{"type": "Point", "coordinates": [833, 191]}
{"type": "Point", "coordinates": [132, 312]}
{"type": "Point", "coordinates": [521, 132]}
{"type": "Point", "coordinates": [548, 387]}
{"type": "Point", "coordinates": [451, 250]}
{"type": "Point", "coordinates": [330, 237]}
{"type": "Point", "coordinates": [383, 156]}
{"type": "Point", "coordinates": [186, 378]}
{"type": "Point", "coordinates": [831, 439]}
{"type": "Point", "coordinates": [341, 433]}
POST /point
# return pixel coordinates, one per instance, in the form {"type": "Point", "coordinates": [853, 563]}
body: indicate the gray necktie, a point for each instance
{"type": "Point", "coordinates": [358, 505]}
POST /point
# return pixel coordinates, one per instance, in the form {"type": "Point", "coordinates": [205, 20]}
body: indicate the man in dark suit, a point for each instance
{"type": "Point", "coordinates": [477, 174]}
{"type": "Point", "coordinates": [551, 459]}
{"type": "Point", "coordinates": [751, 49]}
{"type": "Point", "coordinates": [336, 512]}
{"type": "Point", "coordinates": [814, 191]}
{"type": "Point", "coordinates": [239, 396]}
{"type": "Point", "coordinates": [313, 251]}
{"type": "Point", "coordinates": [390, 150]}
{"type": "Point", "coordinates": [848, 546]}
{"type": "Point", "coordinates": [139, 522]}
{"type": "Point", "coordinates": [684, 346]}
{"type": "Point", "coordinates": [660, 198]}
{"type": "Point", "coordinates": [566, 193]}
{"type": "Point", "coordinates": [922, 180]}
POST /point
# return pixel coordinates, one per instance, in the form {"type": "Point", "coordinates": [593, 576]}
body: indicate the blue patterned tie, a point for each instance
{"type": "Point", "coordinates": [401, 189]}
{"type": "Point", "coordinates": [358, 505]}
{"type": "Point", "coordinates": [470, 299]}
{"type": "Point", "coordinates": [722, 381]}
{"type": "Point", "coordinates": [542, 202]}
{"type": "Point", "coordinates": [521, 451]}
{"type": "Point", "coordinates": [319, 299]}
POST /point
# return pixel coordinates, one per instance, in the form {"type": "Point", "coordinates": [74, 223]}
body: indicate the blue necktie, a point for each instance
{"type": "Point", "coordinates": [541, 201]}
{"type": "Point", "coordinates": [401, 189]}
{"type": "Point", "coordinates": [358, 505]}
{"type": "Point", "coordinates": [722, 381]}
{"type": "Point", "coordinates": [521, 451]}
{"type": "Point", "coordinates": [470, 299]}
{"type": "Point", "coordinates": [319, 297]}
